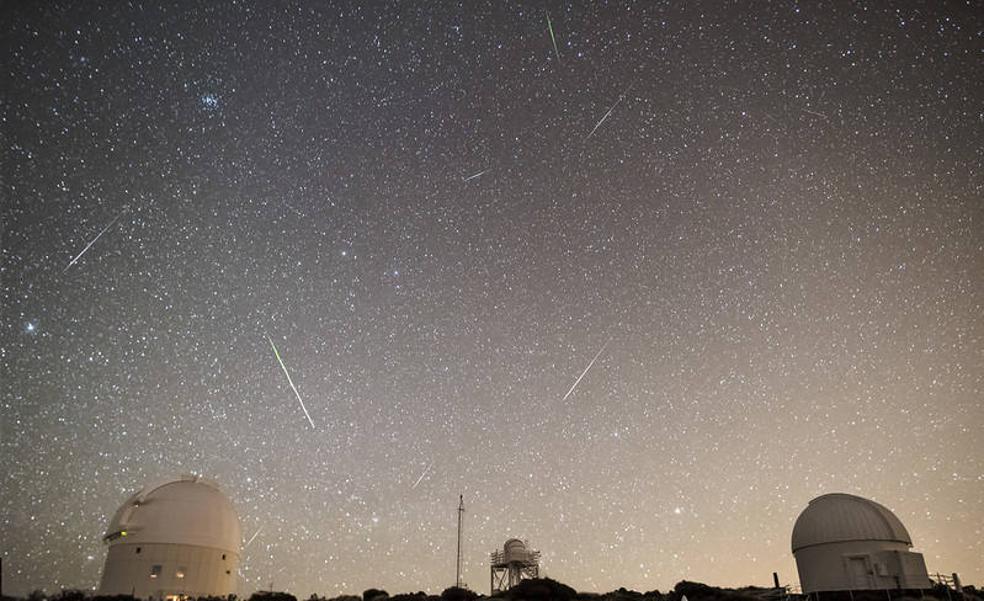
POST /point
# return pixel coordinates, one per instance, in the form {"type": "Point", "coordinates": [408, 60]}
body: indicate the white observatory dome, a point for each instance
{"type": "Point", "coordinates": [840, 517]}
{"type": "Point", "coordinates": [843, 542]}
{"type": "Point", "coordinates": [186, 511]}
{"type": "Point", "coordinates": [173, 540]}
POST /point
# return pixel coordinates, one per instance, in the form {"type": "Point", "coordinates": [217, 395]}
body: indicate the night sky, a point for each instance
{"type": "Point", "coordinates": [760, 224]}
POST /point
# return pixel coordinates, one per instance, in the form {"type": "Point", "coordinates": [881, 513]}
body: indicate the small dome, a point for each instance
{"type": "Point", "coordinates": [514, 544]}
{"type": "Point", "coordinates": [840, 517]}
{"type": "Point", "coordinates": [515, 550]}
{"type": "Point", "coordinates": [186, 511]}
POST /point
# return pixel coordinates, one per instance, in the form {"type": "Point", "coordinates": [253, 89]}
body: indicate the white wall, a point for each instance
{"type": "Point", "coordinates": [205, 570]}
{"type": "Point", "coordinates": [854, 566]}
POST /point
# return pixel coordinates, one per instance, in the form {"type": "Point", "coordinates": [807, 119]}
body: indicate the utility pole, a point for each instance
{"type": "Point", "coordinates": [461, 511]}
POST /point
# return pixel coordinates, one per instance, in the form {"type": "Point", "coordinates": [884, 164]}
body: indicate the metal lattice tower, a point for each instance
{"type": "Point", "coordinates": [461, 512]}
{"type": "Point", "coordinates": [513, 564]}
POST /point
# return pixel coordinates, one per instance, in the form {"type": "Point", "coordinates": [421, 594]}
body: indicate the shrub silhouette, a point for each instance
{"type": "Point", "coordinates": [455, 593]}
{"type": "Point", "coordinates": [418, 596]}
{"type": "Point", "coordinates": [271, 596]}
{"type": "Point", "coordinates": [540, 589]}
{"type": "Point", "coordinates": [624, 594]}
{"type": "Point", "coordinates": [697, 591]}
{"type": "Point", "coordinates": [70, 594]}
{"type": "Point", "coordinates": [113, 598]}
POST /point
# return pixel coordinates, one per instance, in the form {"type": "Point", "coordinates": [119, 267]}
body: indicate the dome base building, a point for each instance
{"type": "Point", "coordinates": [173, 540]}
{"type": "Point", "coordinates": [513, 564]}
{"type": "Point", "coordinates": [846, 543]}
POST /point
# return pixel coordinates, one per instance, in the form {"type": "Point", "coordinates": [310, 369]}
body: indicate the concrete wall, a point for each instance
{"type": "Point", "coordinates": [912, 567]}
{"type": "Point", "coordinates": [860, 565]}
{"type": "Point", "coordinates": [207, 571]}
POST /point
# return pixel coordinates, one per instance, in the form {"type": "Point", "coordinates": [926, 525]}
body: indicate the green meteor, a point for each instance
{"type": "Point", "coordinates": [291, 382]}
{"type": "Point", "coordinates": [552, 38]}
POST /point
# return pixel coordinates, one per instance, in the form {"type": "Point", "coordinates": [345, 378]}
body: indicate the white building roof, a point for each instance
{"type": "Point", "coordinates": [842, 517]}
{"type": "Point", "coordinates": [185, 511]}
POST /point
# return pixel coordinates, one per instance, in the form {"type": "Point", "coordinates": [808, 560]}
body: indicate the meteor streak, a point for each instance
{"type": "Point", "coordinates": [252, 538]}
{"type": "Point", "coordinates": [552, 38]}
{"type": "Point", "coordinates": [816, 113]}
{"type": "Point", "coordinates": [479, 174]}
{"type": "Point", "coordinates": [597, 125]}
{"type": "Point", "coordinates": [422, 476]}
{"type": "Point", "coordinates": [580, 377]}
{"type": "Point", "coordinates": [291, 382]}
{"type": "Point", "coordinates": [93, 241]}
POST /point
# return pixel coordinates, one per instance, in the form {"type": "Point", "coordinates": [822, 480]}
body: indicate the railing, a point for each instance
{"type": "Point", "coordinates": [528, 558]}
{"type": "Point", "coordinates": [951, 582]}
{"type": "Point", "coordinates": [782, 592]}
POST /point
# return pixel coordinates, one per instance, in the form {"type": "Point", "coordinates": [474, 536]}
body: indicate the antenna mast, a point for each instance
{"type": "Point", "coordinates": [461, 511]}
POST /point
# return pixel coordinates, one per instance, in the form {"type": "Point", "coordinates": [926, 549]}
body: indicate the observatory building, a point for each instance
{"type": "Point", "coordinates": [172, 540]}
{"type": "Point", "coordinates": [842, 543]}
{"type": "Point", "coordinates": [514, 563]}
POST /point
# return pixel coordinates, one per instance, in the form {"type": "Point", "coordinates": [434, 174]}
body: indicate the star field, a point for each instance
{"type": "Point", "coordinates": [763, 220]}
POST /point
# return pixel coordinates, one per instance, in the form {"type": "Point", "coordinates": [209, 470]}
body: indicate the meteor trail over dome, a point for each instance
{"type": "Point", "coordinates": [291, 382]}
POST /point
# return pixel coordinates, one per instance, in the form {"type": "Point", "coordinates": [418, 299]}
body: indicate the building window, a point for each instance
{"type": "Point", "coordinates": [114, 535]}
{"type": "Point", "coordinates": [181, 572]}
{"type": "Point", "coordinates": [223, 556]}
{"type": "Point", "coordinates": [138, 550]}
{"type": "Point", "coordinates": [155, 570]}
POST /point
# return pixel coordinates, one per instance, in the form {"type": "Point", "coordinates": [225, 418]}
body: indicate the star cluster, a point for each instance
{"type": "Point", "coordinates": [762, 220]}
